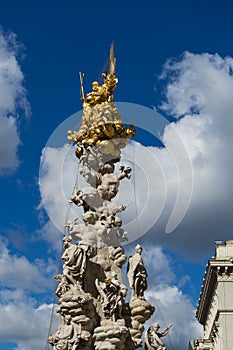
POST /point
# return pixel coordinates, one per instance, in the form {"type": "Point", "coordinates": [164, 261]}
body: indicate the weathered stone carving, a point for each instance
{"type": "Point", "coordinates": [94, 313]}
{"type": "Point", "coordinates": [111, 336]}
{"type": "Point", "coordinates": [201, 344]}
{"type": "Point", "coordinates": [140, 311]}
{"type": "Point", "coordinates": [112, 294]}
{"type": "Point", "coordinates": [153, 337]}
{"type": "Point", "coordinates": [137, 274]}
{"type": "Point", "coordinates": [75, 256]}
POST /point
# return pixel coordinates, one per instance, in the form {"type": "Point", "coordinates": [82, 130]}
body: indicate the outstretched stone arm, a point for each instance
{"type": "Point", "coordinates": [166, 330]}
{"type": "Point", "coordinates": [153, 342]}
{"type": "Point", "coordinates": [153, 337]}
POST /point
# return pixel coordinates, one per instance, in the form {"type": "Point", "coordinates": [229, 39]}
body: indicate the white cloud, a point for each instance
{"type": "Point", "coordinates": [25, 320]}
{"type": "Point", "coordinates": [194, 81]}
{"type": "Point", "coordinates": [172, 305]}
{"type": "Point", "coordinates": [199, 89]}
{"type": "Point", "coordinates": [8, 150]}
{"type": "Point", "coordinates": [159, 264]}
{"type": "Point", "coordinates": [12, 97]}
{"type": "Point", "coordinates": [19, 272]}
{"type": "Point", "coordinates": [52, 235]}
{"type": "Point", "coordinates": [58, 172]}
{"type": "Point", "coordinates": [25, 324]}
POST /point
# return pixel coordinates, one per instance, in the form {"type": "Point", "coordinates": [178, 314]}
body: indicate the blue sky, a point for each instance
{"type": "Point", "coordinates": [173, 56]}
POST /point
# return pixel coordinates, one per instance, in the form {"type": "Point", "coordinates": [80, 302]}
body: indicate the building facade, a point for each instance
{"type": "Point", "coordinates": [215, 306]}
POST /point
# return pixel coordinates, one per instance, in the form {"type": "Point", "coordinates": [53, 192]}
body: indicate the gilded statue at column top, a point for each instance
{"type": "Point", "coordinates": [104, 92]}
{"type": "Point", "coordinates": [101, 122]}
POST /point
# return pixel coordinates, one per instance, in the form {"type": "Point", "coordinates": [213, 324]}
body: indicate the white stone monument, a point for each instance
{"type": "Point", "coordinates": [94, 312]}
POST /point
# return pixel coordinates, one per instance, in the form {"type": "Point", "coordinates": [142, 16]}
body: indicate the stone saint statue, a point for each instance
{"type": "Point", "coordinates": [75, 257]}
{"type": "Point", "coordinates": [153, 337]}
{"type": "Point", "coordinates": [112, 293]}
{"type": "Point", "coordinates": [137, 274]}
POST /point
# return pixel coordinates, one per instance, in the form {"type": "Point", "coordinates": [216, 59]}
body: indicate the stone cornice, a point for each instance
{"type": "Point", "coordinates": [207, 290]}
{"type": "Point", "coordinates": [217, 270]}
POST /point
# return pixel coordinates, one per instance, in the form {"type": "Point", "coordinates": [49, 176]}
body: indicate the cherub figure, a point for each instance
{"type": "Point", "coordinates": [90, 176]}
{"type": "Point", "coordinates": [84, 233]}
{"type": "Point", "coordinates": [97, 95]}
{"type": "Point", "coordinates": [110, 182]}
{"type": "Point", "coordinates": [116, 234]}
{"type": "Point", "coordinates": [63, 285]}
{"type": "Point", "coordinates": [153, 337]}
{"type": "Point", "coordinates": [108, 187]}
{"type": "Point", "coordinates": [88, 197]}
